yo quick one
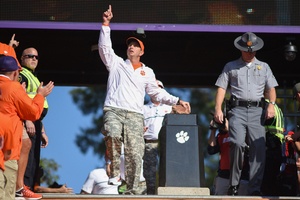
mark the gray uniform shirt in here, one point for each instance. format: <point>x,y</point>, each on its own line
<point>247,82</point>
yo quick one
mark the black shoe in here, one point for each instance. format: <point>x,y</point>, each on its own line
<point>233,190</point>
<point>256,193</point>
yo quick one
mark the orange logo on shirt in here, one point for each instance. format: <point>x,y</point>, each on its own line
<point>143,73</point>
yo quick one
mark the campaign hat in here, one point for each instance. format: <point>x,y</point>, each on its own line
<point>248,42</point>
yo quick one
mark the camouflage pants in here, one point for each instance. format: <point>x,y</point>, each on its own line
<point>150,160</point>
<point>127,127</point>
<point>142,188</point>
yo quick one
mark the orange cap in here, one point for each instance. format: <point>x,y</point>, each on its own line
<point>139,41</point>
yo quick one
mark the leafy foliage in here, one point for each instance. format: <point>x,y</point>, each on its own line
<point>50,167</point>
<point>202,102</point>
<point>90,101</point>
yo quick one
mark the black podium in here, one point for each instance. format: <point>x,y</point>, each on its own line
<point>181,162</point>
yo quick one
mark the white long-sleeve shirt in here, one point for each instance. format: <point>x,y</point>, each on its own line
<point>154,116</point>
<point>125,86</point>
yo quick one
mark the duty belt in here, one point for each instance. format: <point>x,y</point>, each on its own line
<point>248,103</point>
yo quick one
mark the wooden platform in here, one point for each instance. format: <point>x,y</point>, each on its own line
<point>157,197</point>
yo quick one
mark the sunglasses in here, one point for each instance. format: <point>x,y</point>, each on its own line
<point>32,56</point>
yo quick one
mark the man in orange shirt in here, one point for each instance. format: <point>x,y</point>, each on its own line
<point>6,136</point>
<point>16,104</point>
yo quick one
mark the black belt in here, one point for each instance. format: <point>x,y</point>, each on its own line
<point>151,141</point>
<point>248,103</point>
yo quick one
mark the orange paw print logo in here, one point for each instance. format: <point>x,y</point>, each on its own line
<point>143,73</point>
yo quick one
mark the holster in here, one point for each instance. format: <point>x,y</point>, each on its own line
<point>227,106</point>
<point>232,102</point>
<point>263,103</point>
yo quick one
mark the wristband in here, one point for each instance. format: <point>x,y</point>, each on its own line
<point>178,102</point>
<point>42,132</point>
<point>298,172</point>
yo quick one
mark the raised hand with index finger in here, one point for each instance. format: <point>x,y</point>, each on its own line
<point>13,43</point>
<point>107,16</point>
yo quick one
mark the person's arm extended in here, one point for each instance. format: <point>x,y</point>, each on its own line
<point>13,43</point>
<point>213,145</point>
<point>218,107</point>
<point>212,137</point>
<point>107,16</point>
<point>107,54</point>
<point>270,113</point>
<point>44,137</point>
<point>62,189</point>
<point>293,137</point>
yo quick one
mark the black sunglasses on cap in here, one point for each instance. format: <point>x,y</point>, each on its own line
<point>31,56</point>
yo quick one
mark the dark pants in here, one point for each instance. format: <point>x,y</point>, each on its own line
<point>287,185</point>
<point>269,186</point>
<point>33,157</point>
<point>150,161</point>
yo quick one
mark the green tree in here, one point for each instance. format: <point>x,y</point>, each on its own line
<point>202,102</point>
<point>49,167</point>
<point>90,100</point>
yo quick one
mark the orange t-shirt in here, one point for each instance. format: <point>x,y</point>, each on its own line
<point>16,104</point>
<point>8,51</point>
<point>6,130</point>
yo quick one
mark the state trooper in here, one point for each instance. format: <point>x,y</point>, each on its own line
<point>248,78</point>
